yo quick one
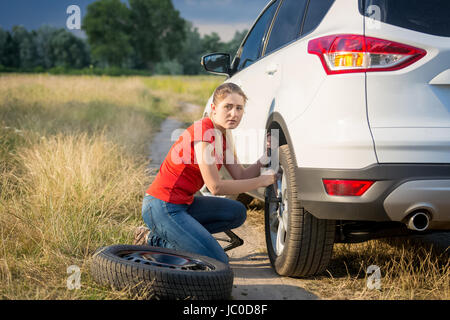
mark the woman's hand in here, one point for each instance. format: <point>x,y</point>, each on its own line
<point>268,177</point>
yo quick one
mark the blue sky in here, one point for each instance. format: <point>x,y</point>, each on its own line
<point>221,16</point>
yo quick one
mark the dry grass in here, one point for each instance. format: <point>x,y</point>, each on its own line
<point>73,170</point>
<point>255,215</point>
<point>43,105</point>
<point>409,270</point>
<point>72,194</point>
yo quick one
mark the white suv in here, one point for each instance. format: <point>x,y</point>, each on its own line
<point>359,91</point>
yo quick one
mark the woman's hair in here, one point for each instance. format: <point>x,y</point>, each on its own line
<point>225,89</point>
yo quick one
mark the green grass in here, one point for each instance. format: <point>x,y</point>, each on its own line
<point>193,89</point>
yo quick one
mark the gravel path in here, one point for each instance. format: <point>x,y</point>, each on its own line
<point>254,278</point>
<point>162,142</point>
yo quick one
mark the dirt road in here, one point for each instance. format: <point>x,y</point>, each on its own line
<point>254,277</point>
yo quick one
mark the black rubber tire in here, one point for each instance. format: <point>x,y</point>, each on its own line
<point>309,241</point>
<point>161,283</point>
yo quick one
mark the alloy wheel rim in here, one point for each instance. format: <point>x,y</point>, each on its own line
<point>279,217</point>
<point>166,260</point>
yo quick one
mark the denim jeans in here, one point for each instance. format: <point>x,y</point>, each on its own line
<point>190,227</point>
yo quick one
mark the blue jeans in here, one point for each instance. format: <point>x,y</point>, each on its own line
<point>190,227</point>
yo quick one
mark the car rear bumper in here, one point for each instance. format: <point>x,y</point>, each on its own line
<point>399,190</point>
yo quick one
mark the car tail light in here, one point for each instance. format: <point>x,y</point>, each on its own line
<point>345,53</point>
<point>347,187</point>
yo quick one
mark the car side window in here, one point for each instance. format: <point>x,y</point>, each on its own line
<point>252,47</point>
<point>287,24</point>
<point>315,13</point>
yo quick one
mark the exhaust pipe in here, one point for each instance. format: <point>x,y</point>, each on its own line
<point>419,221</point>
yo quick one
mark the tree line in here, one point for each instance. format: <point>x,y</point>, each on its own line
<point>143,35</point>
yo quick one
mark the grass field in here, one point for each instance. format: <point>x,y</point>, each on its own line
<point>73,161</point>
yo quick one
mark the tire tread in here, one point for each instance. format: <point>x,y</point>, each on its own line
<point>153,282</point>
<point>310,241</point>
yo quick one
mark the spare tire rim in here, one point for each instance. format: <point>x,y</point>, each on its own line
<point>165,260</point>
<point>278,217</point>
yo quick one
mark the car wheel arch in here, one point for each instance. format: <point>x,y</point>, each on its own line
<point>276,121</point>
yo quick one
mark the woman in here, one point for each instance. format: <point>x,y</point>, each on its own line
<point>175,217</point>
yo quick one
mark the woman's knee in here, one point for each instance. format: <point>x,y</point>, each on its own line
<point>240,214</point>
<point>223,258</point>
<point>151,211</point>
<point>146,212</point>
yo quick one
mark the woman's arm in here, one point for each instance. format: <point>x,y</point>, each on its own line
<point>215,184</point>
<point>238,172</point>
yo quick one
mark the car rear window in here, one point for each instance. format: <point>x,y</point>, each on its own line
<point>287,24</point>
<point>427,16</point>
<point>315,13</point>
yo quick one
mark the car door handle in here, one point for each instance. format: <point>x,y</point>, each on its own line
<point>271,69</point>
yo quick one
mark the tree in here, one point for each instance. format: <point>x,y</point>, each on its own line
<point>3,36</point>
<point>168,67</point>
<point>79,52</point>
<point>11,55</point>
<point>107,25</point>
<point>68,50</point>
<point>157,31</point>
<point>191,51</point>
<point>27,47</point>
<point>232,46</point>
<point>43,38</point>
<point>195,46</point>
<point>212,43</point>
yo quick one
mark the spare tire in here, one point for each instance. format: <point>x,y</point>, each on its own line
<point>163,274</point>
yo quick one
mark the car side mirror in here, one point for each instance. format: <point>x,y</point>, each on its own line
<point>218,63</point>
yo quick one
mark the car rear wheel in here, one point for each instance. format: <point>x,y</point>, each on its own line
<point>298,243</point>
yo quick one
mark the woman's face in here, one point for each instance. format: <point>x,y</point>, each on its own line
<point>228,113</point>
